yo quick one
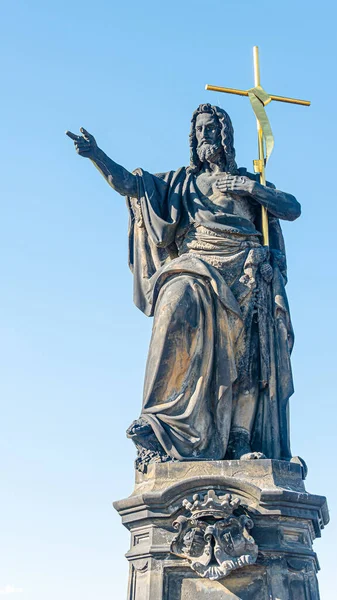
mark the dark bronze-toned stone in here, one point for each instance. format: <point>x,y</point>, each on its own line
<point>213,539</point>
<point>218,376</point>
<point>201,494</point>
<point>219,509</point>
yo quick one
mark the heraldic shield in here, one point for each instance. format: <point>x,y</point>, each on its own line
<point>212,538</point>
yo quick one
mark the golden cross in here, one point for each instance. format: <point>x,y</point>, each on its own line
<point>259,98</point>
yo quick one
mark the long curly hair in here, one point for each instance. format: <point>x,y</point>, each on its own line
<point>227,138</point>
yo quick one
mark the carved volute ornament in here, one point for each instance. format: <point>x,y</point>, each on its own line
<point>212,538</point>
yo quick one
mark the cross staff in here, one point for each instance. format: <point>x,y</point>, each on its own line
<point>259,99</point>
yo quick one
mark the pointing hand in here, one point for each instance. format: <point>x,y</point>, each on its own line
<point>85,144</point>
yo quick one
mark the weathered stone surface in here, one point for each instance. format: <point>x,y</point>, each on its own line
<point>217,383</point>
<point>218,375</point>
<point>213,535</point>
<point>286,521</point>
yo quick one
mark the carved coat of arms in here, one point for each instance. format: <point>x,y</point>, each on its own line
<point>212,538</point>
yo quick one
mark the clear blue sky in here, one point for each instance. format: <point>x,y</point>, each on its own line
<point>73,346</point>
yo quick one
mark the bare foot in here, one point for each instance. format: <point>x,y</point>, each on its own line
<point>139,428</point>
<point>253,456</point>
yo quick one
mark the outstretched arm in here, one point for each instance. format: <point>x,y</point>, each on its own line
<point>121,180</point>
<point>279,204</point>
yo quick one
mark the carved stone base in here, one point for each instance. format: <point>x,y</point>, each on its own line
<point>234,530</point>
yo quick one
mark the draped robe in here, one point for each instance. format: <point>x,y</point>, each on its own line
<point>220,331</point>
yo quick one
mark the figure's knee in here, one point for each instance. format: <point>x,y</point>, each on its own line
<point>178,298</point>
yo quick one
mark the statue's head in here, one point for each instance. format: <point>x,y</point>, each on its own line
<point>212,138</point>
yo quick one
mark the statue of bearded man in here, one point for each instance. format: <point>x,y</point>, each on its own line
<point>218,375</point>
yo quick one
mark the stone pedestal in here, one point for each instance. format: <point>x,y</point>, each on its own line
<point>234,530</point>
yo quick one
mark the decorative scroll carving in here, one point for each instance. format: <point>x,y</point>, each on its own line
<point>212,538</point>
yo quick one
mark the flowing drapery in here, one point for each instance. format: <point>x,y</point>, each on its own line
<point>214,318</point>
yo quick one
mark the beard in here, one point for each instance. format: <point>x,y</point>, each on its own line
<point>207,152</point>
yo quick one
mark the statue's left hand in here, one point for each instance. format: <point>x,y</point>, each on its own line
<point>236,184</point>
